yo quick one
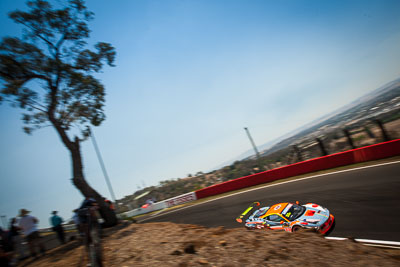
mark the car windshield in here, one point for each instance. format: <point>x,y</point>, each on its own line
<point>260,212</point>
<point>293,211</point>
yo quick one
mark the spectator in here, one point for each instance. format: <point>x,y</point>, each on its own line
<point>88,202</point>
<point>82,214</point>
<point>28,225</point>
<point>6,248</point>
<point>110,204</point>
<point>56,221</point>
<point>77,222</point>
<point>88,209</point>
<point>16,240</point>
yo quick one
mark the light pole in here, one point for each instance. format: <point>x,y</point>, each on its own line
<point>252,143</point>
<point>103,169</point>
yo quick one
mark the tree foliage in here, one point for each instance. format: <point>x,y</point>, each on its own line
<point>49,71</point>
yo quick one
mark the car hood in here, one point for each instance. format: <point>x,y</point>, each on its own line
<point>314,214</point>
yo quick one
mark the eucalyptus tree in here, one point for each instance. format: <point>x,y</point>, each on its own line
<point>49,71</point>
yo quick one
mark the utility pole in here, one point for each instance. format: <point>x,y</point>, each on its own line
<point>103,169</point>
<point>252,143</point>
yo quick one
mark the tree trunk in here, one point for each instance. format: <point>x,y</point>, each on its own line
<point>385,135</point>
<point>322,147</point>
<point>298,153</point>
<point>109,216</point>
<point>78,179</point>
<point>348,135</point>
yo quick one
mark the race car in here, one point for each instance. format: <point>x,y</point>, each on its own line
<point>289,217</point>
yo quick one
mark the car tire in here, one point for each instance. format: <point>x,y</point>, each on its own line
<point>295,228</point>
<point>332,227</point>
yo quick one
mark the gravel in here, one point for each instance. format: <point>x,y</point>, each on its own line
<point>169,244</point>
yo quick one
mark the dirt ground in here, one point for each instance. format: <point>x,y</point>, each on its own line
<point>169,244</point>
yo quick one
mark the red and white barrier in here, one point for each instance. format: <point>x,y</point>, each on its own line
<point>188,197</point>
<point>368,153</point>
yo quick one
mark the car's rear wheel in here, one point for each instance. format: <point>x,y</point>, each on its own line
<point>331,229</point>
<point>295,228</point>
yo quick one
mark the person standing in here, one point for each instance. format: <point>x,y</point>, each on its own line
<point>6,248</point>
<point>16,239</point>
<point>28,225</point>
<point>77,222</point>
<point>56,221</point>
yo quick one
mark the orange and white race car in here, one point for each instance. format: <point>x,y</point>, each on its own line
<point>289,217</point>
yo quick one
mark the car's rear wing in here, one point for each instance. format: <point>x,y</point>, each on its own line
<point>239,219</point>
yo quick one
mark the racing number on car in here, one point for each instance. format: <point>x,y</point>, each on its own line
<point>277,207</point>
<point>288,214</point>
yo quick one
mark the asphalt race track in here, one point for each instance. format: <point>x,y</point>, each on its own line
<point>365,202</point>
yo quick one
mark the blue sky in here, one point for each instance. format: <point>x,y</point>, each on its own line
<point>189,76</point>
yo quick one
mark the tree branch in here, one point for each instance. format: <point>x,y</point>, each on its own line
<point>30,105</point>
<point>49,44</point>
<point>61,131</point>
<point>56,123</point>
<point>34,107</point>
<point>40,105</point>
<point>26,76</point>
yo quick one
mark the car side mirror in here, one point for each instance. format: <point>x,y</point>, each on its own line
<point>282,222</point>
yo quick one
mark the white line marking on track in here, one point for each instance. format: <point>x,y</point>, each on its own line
<point>336,238</point>
<point>370,242</point>
<point>381,242</point>
<point>381,246</point>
